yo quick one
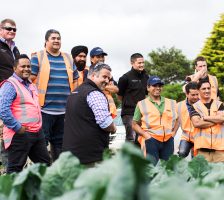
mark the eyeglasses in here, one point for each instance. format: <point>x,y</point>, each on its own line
<point>9,29</point>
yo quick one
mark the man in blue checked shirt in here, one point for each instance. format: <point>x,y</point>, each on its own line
<point>88,121</point>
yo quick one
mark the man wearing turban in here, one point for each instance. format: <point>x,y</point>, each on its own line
<point>79,54</point>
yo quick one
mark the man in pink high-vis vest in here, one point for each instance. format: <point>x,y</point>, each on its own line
<point>21,115</point>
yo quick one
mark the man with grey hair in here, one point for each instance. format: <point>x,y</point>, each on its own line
<point>88,121</point>
<point>56,76</point>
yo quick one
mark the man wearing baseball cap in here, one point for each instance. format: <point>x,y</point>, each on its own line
<point>155,120</point>
<point>97,55</point>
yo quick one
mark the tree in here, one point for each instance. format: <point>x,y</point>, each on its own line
<point>169,64</point>
<point>173,91</point>
<point>213,51</point>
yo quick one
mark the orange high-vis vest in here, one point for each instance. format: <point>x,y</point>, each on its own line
<point>112,106</point>
<point>44,73</point>
<point>212,137</point>
<point>188,130</point>
<point>25,109</point>
<point>81,75</point>
<point>214,85</point>
<point>159,126</point>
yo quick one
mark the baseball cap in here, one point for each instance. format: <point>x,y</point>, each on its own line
<point>97,51</point>
<point>153,80</point>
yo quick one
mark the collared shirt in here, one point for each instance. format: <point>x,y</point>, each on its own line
<point>189,106</point>
<point>99,105</point>
<point>12,46</point>
<point>7,96</point>
<point>160,107</point>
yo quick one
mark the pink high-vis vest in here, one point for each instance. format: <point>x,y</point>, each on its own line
<point>25,108</point>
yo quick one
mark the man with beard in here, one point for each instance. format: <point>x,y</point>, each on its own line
<point>55,76</point>
<point>97,55</point>
<point>88,121</point>
<point>79,54</point>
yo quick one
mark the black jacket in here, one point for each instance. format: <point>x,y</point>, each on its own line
<point>133,88</point>
<point>82,135</point>
<point>7,60</point>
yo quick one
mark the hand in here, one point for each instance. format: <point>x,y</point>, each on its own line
<point>114,130</point>
<point>147,136</point>
<point>22,130</point>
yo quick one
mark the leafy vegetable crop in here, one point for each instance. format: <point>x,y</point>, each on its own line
<point>125,176</point>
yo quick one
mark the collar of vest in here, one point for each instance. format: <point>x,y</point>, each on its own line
<point>88,81</point>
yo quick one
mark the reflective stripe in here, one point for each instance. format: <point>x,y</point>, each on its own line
<point>160,132</point>
<point>40,66</point>
<point>145,113</point>
<point>24,118</point>
<point>199,108</point>
<point>179,112</point>
<point>208,135</point>
<point>187,135</point>
<point>173,113</point>
<point>8,140</point>
<point>70,61</point>
<point>214,81</point>
<point>41,91</point>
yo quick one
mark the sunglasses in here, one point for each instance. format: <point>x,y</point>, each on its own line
<point>10,29</point>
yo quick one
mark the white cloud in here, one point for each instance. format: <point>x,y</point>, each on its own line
<point>120,27</point>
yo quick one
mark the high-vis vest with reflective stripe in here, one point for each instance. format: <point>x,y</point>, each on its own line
<point>112,106</point>
<point>188,130</point>
<point>44,73</point>
<point>25,109</point>
<point>214,85</point>
<point>81,75</point>
<point>159,126</point>
<point>212,137</point>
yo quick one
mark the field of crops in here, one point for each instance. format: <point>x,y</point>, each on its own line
<point>125,176</point>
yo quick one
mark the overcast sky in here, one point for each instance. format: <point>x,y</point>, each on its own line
<point>120,27</point>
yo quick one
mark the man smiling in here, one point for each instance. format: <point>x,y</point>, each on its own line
<point>20,112</point>
<point>207,116</point>
<point>155,120</point>
<point>56,76</point>
<point>88,121</point>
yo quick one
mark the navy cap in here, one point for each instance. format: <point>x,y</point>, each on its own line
<point>97,51</point>
<point>153,80</point>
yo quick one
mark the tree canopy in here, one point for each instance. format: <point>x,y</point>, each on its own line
<point>213,51</point>
<point>169,64</point>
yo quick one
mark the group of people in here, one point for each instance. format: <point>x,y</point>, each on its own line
<point>54,98</point>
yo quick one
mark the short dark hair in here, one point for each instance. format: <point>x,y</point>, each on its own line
<point>21,56</point>
<point>202,82</point>
<point>4,21</point>
<point>97,67</point>
<point>49,32</point>
<point>199,58</point>
<point>135,56</point>
<point>191,86</point>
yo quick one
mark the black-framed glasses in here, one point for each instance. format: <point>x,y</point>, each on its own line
<point>10,28</point>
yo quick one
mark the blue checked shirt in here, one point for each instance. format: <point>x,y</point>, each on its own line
<point>99,105</point>
<point>7,96</point>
